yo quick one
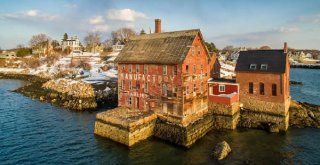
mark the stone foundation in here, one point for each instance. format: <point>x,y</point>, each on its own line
<point>125,126</point>
<point>256,113</point>
<point>250,119</point>
<point>180,135</point>
<point>225,116</point>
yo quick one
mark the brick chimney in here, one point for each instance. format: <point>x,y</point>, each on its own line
<point>285,47</point>
<point>157,25</point>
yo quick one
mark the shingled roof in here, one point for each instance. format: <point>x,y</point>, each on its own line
<point>158,48</point>
<point>275,60</point>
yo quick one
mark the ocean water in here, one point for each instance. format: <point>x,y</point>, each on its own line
<point>32,132</point>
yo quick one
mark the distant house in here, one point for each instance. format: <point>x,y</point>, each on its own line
<point>72,43</point>
<point>117,47</point>
<point>235,54</point>
<point>263,76</point>
<point>8,55</point>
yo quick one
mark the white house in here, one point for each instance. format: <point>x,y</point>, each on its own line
<point>73,43</point>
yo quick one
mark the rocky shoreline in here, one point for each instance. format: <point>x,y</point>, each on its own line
<point>74,96</point>
<point>304,115</point>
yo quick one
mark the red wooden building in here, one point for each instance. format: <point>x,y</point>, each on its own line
<point>166,73</point>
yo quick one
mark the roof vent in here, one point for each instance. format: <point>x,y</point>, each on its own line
<point>264,67</point>
<point>253,66</point>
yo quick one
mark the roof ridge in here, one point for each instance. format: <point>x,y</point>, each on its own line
<point>165,34</point>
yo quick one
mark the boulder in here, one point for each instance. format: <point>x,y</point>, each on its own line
<point>221,150</point>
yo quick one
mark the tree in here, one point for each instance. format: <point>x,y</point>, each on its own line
<point>23,51</point>
<point>211,47</point>
<point>228,48</point>
<point>265,48</point>
<point>122,35</point>
<point>55,43</point>
<point>65,36</point>
<point>1,50</point>
<point>92,40</point>
<point>38,40</point>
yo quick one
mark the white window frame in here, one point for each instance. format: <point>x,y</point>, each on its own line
<point>222,86</point>
<point>164,69</point>
<point>253,66</point>
<point>264,67</point>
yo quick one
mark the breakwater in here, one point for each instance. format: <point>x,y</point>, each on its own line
<point>307,66</point>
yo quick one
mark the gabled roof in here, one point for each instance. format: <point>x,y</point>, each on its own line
<point>158,48</point>
<point>275,60</point>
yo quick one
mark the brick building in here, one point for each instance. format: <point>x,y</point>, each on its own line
<point>165,72</point>
<point>263,76</point>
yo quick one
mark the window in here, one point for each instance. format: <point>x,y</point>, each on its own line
<point>274,89</point>
<point>145,69</point>
<point>174,91</point>
<point>192,50</point>
<point>222,88</point>
<point>201,87</point>
<point>164,69</point>
<point>261,89</point>
<point>137,68</point>
<point>187,68</point>
<point>199,50</point>
<point>201,68</point>
<point>187,90</point>
<point>251,88</point>
<point>264,67</point>
<point>194,69</point>
<point>194,88</point>
<point>137,86</point>
<point>253,66</point>
<point>122,84</point>
<point>164,89</point>
<point>175,70</point>
<point>130,100</point>
<point>146,87</point>
<point>130,68</point>
<point>130,85</point>
<point>123,66</point>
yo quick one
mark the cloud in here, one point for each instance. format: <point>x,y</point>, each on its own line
<point>101,28</point>
<point>96,20</point>
<point>34,15</point>
<point>289,29</point>
<point>315,19</point>
<point>125,15</point>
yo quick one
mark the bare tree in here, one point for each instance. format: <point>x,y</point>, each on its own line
<point>265,48</point>
<point>39,42</point>
<point>122,35</point>
<point>92,40</point>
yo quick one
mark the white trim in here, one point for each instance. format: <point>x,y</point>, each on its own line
<point>224,88</point>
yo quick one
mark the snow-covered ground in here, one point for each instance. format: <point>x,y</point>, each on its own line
<point>96,75</point>
<point>227,70</point>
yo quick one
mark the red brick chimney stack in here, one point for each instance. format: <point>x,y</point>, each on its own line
<point>285,47</point>
<point>157,25</point>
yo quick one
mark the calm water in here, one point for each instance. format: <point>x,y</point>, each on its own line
<point>32,132</point>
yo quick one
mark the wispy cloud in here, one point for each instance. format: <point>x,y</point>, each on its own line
<point>315,19</point>
<point>35,15</point>
<point>289,29</point>
<point>96,20</point>
<point>125,15</point>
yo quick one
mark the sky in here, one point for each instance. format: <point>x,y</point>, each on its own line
<point>246,23</point>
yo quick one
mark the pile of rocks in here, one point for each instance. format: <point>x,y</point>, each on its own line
<point>70,87</point>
